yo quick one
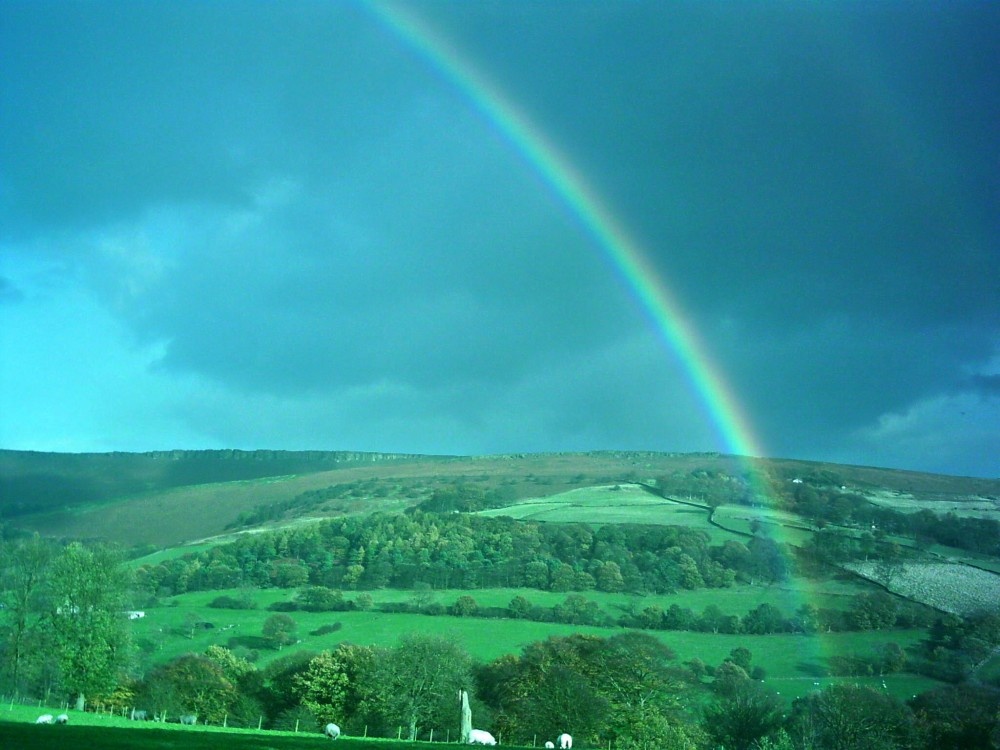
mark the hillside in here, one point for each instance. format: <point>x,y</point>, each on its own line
<point>701,558</point>
<point>173,497</point>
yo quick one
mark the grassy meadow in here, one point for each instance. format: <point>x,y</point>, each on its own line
<point>793,662</point>
<point>104,732</point>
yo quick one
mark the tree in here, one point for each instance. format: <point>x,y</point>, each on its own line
<point>465,606</point>
<point>848,717</point>
<point>279,677</point>
<point>875,611</point>
<point>322,686</point>
<point>763,620</point>
<point>24,569</point>
<point>635,670</point>
<point>742,718</point>
<point>191,684</point>
<point>544,690</point>
<point>959,717</point>
<point>891,658</point>
<point>279,630</point>
<point>90,633</point>
<point>730,678</point>
<point>609,577</point>
<point>417,682</point>
<point>741,656</point>
<point>320,599</point>
<point>563,578</point>
<point>649,729</point>
<point>766,560</point>
<point>519,607</point>
<point>364,601</point>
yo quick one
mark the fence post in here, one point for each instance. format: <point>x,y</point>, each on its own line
<point>260,720</point>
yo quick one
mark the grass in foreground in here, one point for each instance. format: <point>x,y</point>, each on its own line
<point>18,731</point>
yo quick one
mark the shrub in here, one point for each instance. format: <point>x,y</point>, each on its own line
<point>325,629</point>
<point>232,602</point>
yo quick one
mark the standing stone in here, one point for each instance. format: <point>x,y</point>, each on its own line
<point>466,717</point>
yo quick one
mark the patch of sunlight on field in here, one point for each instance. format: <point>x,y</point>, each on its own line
<point>783,526</point>
<point>970,506</point>
<point>612,504</point>
<point>965,556</point>
<point>154,558</point>
<point>952,587</point>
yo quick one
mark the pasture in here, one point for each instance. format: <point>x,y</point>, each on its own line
<point>633,503</point>
<point>793,661</point>
<point>952,587</point>
<point>974,506</point>
<point>103,732</point>
<point>611,504</point>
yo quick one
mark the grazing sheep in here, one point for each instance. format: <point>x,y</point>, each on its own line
<point>62,719</point>
<point>549,745</point>
<point>332,731</point>
<point>138,715</point>
<point>565,741</point>
<point>190,719</point>
<point>44,719</point>
<point>481,737</point>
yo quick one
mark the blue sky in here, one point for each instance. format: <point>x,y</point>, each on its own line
<point>278,225</point>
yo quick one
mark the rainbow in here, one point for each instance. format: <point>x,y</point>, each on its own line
<point>572,189</point>
<point>629,261</point>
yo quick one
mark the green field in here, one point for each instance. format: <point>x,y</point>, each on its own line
<point>102,732</point>
<point>793,662</point>
<point>611,504</point>
<point>782,526</point>
<point>632,503</point>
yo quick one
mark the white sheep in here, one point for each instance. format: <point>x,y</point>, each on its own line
<point>44,719</point>
<point>189,719</point>
<point>332,731</point>
<point>62,719</point>
<point>549,745</point>
<point>481,737</point>
<point>565,741</point>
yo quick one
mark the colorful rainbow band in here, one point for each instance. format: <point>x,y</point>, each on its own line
<point>572,189</point>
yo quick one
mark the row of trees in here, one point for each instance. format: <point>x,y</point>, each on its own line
<point>454,550</point>
<point>981,535</point>
<point>867,611</point>
<point>626,692</point>
<point>65,626</point>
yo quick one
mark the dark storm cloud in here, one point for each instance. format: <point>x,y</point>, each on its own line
<point>110,108</point>
<point>292,207</point>
<point>810,180</point>
<point>988,385</point>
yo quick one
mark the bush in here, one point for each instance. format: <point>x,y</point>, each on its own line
<point>325,629</point>
<point>232,602</point>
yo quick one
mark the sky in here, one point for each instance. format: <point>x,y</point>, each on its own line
<point>341,225</point>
